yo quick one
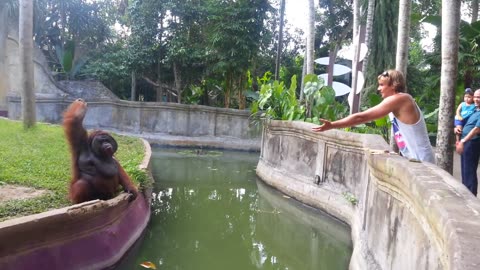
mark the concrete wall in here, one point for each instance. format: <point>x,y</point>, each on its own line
<point>90,235</point>
<point>10,70</point>
<point>407,215</point>
<point>155,120</point>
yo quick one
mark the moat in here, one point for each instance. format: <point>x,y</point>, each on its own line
<point>210,211</point>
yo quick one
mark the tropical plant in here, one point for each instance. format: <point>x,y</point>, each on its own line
<point>277,102</point>
<point>69,30</point>
<point>193,94</point>
<point>320,100</point>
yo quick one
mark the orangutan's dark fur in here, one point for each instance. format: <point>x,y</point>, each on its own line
<point>95,173</point>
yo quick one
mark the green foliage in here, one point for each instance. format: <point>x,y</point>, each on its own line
<point>193,95</point>
<point>350,197</point>
<point>110,66</point>
<point>70,64</point>
<point>320,100</point>
<point>335,23</point>
<point>69,30</point>
<point>39,158</point>
<point>382,48</point>
<point>277,102</point>
<point>177,43</point>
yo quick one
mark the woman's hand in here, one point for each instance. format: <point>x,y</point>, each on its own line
<point>325,126</point>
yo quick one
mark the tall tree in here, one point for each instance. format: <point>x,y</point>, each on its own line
<point>474,11</point>
<point>280,39</point>
<point>69,30</point>
<point>449,70</point>
<point>3,55</point>
<point>310,36</point>
<point>354,108</point>
<point>382,50</point>
<point>26,63</point>
<point>233,47</point>
<point>403,37</point>
<point>368,31</point>
<point>335,24</point>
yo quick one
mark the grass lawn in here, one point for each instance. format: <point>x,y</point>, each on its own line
<point>40,158</point>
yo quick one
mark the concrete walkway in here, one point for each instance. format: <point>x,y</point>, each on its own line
<point>457,172</point>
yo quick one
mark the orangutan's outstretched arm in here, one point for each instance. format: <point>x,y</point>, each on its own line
<point>75,132</point>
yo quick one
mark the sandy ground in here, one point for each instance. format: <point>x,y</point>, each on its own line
<point>10,192</point>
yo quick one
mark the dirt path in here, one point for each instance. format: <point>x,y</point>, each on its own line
<point>11,192</point>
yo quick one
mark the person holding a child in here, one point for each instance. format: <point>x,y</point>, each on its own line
<point>469,146</point>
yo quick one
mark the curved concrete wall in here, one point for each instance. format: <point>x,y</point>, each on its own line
<point>154,120</point>
<point>403,215</point>
<point>91,235</point>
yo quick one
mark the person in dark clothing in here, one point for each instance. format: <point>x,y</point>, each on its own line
<point>469,146</point>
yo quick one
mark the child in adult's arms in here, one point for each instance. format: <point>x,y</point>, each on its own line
<point>469,146</point>
<point>407,119</point>
<point>464,110</point>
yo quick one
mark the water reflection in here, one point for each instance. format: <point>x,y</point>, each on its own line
<point>283,225</point>
<point>209,212</point>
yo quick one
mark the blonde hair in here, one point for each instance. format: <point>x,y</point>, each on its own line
<point>395,78</point>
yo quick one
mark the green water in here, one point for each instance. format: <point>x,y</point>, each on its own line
<point>210,212</point>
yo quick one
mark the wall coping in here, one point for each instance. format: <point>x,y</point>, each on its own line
<point>445,212</point>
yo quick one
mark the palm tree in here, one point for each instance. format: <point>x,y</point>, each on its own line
<point>280,39</point>
<point>357,41</point>
<point>449,70</point>
<point>474,10</point>
<point>26,62</point>
<point>401,61</point>
<point>310,36</point>
<point>3,55</point>
<point>368,31</point>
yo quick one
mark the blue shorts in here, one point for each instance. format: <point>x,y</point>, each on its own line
<point>458,122</point>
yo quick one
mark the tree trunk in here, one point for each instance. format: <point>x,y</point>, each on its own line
<point>178,81</point>
<point>449,70</point>
<point>368,32</point>
<point>310,36</point>
<point>474,10</point>
<point>353,96</point>
<point>403,36</point>
<point>332,56</point>
<point>241,96</point>
<point>26,62</point>
<point>159,89</point>
<point>280,40</point>
<point>470,68</point>
<point>228,84</point>
<point>304,73</point>
<point>356,17</point>
<point>3,57</point>
<point>133,90</point>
